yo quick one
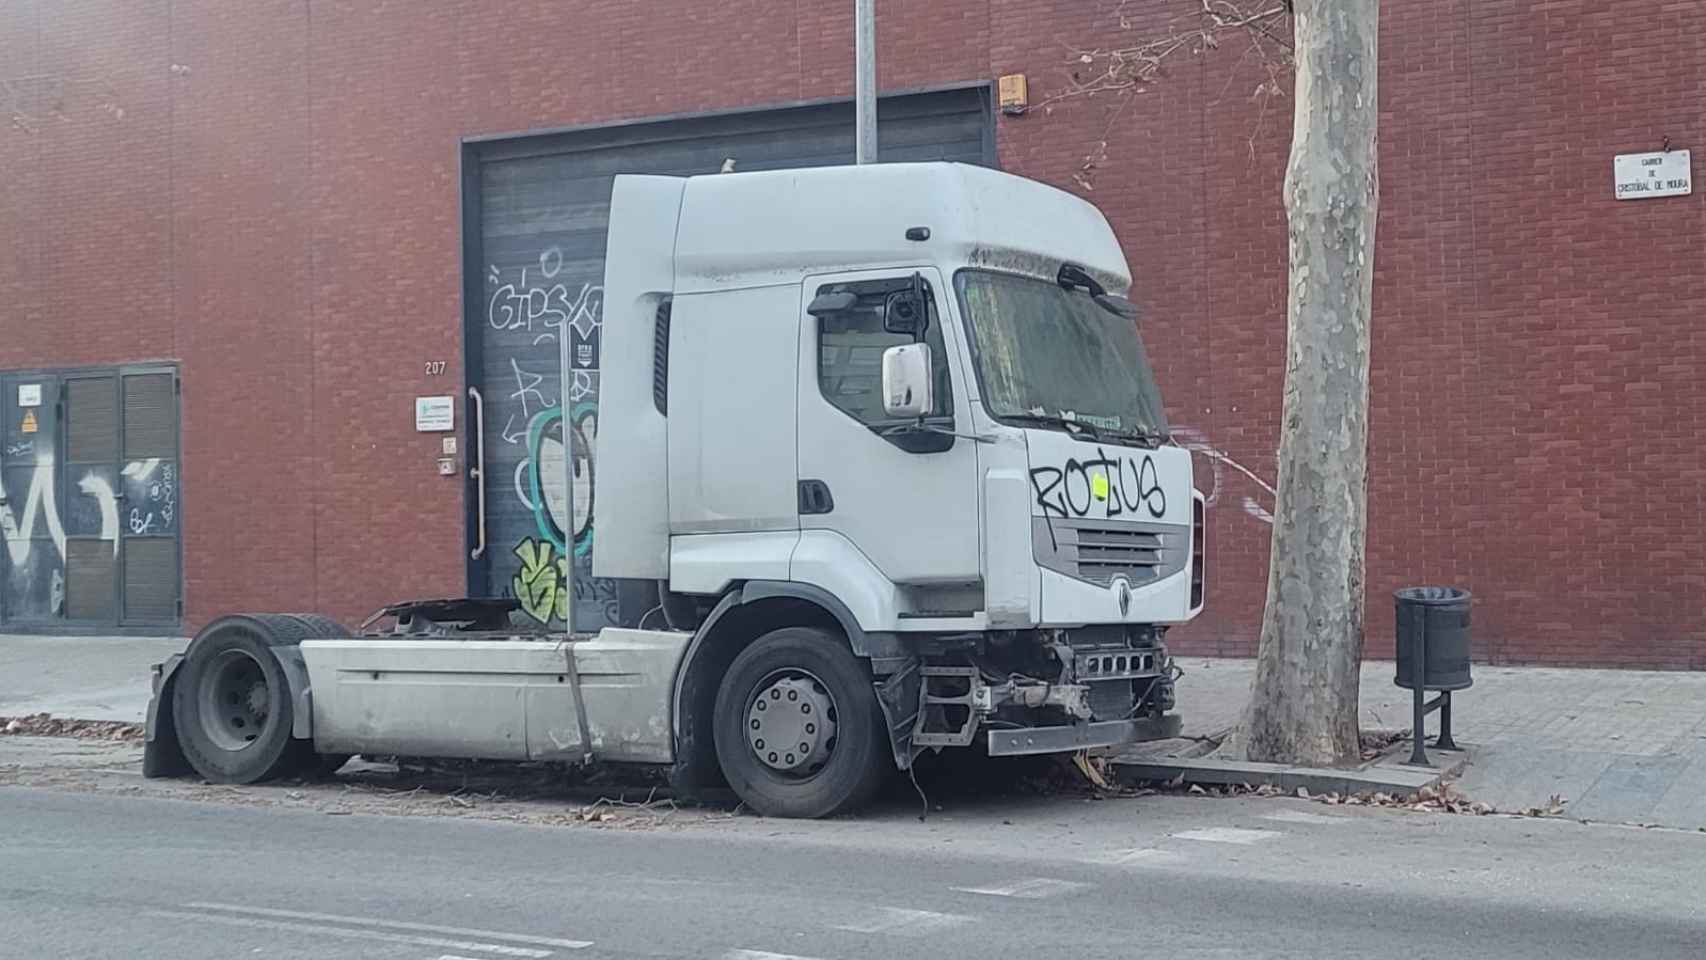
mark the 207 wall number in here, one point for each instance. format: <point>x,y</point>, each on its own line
<point>435,368</point>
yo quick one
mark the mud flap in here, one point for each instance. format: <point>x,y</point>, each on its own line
<point>161,755</point>
<point>301,705</point>
<point>897,695</point>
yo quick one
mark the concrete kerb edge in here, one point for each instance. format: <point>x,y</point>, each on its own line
<point>1385,774</point>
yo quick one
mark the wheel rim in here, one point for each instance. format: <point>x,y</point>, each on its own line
<point>791,723</point>
<point>235,700</point>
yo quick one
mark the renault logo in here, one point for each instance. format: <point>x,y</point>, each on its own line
<point>1123,592</point>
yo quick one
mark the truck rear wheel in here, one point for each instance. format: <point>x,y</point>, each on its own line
<point>232,703</point>
<point>797,727</point>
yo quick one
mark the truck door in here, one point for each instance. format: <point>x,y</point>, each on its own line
<point>904,498</point>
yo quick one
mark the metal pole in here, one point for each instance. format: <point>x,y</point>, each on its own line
<point>1418,670</point>
<point>1445,742</point>
<point>565,366</point>
<point>865,81</point>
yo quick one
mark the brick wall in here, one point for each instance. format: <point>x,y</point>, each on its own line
<point>267,192</point>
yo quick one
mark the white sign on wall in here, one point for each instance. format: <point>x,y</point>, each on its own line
<point>435,414</point>
<point>29,394</point>
<point>1645,176</point>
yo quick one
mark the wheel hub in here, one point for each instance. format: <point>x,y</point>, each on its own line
<point>256,701</point>
<point>235,700</point>
<point>791,723</point>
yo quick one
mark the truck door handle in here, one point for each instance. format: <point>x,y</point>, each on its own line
<point>815,498</point>
<point>478,472</point>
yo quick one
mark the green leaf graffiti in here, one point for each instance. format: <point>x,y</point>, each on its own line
<point>542,582</point>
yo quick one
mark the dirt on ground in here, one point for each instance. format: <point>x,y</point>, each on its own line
<point>88,760</point>
<point>105,757</point>
<point>45,725</point>
<point>81,756</point>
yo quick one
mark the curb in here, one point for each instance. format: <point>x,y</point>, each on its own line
<point>1384,774</point>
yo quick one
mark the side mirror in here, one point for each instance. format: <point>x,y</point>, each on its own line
<point>907,383</point>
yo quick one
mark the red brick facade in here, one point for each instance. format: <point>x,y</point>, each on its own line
<point>267,192</point>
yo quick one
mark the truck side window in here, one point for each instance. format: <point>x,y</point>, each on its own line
<point>850,345</point>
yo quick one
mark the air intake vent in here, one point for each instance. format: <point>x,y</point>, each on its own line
<point>1109,552</point>
<point>1101,552</point>
<point>660,358</point>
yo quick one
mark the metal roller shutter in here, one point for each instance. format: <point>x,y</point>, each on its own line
<point>536,215</point>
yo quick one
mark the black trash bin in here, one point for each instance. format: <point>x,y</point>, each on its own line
<point>1438,618</point>
<point>1433,654</point>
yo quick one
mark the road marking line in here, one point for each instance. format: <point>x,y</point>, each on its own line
<point>1228,835</point>
<point>899,922</point>
<point>394,924</point>
<point>1299,816</point>
<point>1037,888</point>
<point>756,955</point>
<point>354,933</point>
<point>1136,856</point>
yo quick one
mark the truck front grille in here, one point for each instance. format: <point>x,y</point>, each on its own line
<point>1107,553</point>
<point>1098,551</point>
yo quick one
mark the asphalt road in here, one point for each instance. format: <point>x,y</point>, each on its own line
<point>93,875</point>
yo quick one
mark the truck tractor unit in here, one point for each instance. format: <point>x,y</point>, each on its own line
<point>886,439</point>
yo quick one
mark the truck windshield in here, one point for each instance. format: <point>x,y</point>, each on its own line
<point>1047,353</point>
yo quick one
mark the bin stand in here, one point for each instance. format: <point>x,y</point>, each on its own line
<point>1421,706</point>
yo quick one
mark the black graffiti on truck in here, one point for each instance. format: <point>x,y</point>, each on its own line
<point>1127,485</point>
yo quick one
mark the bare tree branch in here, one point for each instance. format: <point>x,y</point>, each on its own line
<point>1128,68</point>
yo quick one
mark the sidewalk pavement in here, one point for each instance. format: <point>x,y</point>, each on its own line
<point>1618,745</point>
<point>81,678</point>
<point>1627,746</point>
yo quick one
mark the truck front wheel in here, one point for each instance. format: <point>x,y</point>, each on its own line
<point>797,727</point>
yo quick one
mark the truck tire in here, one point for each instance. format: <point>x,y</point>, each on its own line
<point>232,702</point>
<point>797,727</point>
<point>318,627</point>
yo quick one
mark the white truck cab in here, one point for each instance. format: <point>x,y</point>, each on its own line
<point>888,441</point>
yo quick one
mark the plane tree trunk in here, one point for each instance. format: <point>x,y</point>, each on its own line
<point>1304,703</point>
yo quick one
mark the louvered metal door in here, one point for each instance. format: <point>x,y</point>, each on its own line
<point>148,498</point>
<point>120,491</point>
